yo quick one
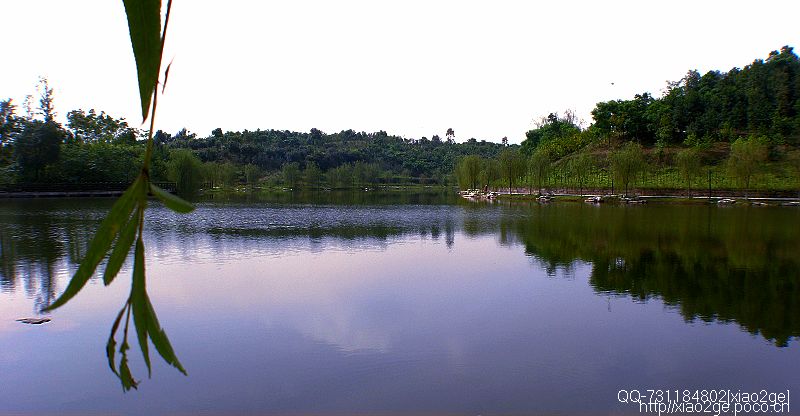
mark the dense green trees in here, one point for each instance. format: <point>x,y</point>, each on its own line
<point>186,171</point>
<point>760,99</point>
<point>37,147</point>
<point>99,128</point>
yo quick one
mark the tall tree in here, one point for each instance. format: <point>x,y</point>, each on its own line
<point>626,163</point>
<point>512,166</point>
<point>312,174</point>
<point>9,128</point>
<point>291,174</point>
<point>689,166</point>
<point>46,101</point>
<point>468,172</point>
<point>36,147</point>
<point>186,170</point>
<point>580,166</point>
<point>539,168</point>
<point>745,159</point>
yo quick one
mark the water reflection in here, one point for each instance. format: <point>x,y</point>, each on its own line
<point>725,265</point>
<point>433,306</point>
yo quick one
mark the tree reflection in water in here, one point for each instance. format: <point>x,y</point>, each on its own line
<point>711,264</point>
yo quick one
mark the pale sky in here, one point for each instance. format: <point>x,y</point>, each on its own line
<point>411,68</point>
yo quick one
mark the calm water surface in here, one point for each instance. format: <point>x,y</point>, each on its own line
<point>407,303</point>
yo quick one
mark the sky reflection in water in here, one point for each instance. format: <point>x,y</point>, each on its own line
<point>409,308</point>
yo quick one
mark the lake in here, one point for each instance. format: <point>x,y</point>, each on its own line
<point>406,304</point>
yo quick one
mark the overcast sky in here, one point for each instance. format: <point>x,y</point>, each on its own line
<point>413,68</point>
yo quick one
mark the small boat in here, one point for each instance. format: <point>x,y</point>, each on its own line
<point>726,201</point>
<point>594,200</point>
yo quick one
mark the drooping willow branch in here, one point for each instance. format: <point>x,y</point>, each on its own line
<point>124,224</point>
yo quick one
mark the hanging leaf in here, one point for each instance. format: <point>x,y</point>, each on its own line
<point>160,339</point>
<point>125,375</point>
<point>139,301</point>
<point>171,201</point>
<point>102,240</point>
<point>144,24</point>
<point>121,248</point>
<point>112,343</point>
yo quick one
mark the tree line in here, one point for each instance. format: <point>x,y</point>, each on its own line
<point>742,126</point>
<point>96,147</point>
<point>734,123</point>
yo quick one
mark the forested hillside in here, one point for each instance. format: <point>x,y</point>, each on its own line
<point>694,125</point>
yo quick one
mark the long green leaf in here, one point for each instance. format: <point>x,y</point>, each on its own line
<point>121,249</point>
<point>139,301</point>
<point>112,343</point>
<point>160,340</point>
<point>144,24</point>
<point>172,202</point>
<point>101,242</point>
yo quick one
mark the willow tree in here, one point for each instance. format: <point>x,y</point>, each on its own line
<point>512,166</point>
<point>468,171</point>
<point>539,168</point>
<point>689,166</point>
<point>186,170</point>
<point>745,159</point>
<point>580,166</point>
<point>626,163</point>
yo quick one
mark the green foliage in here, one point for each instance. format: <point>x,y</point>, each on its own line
<point>490,171</point>
<point>468,172</point>
<point>341,176</point>
<point>689,165</point>
<point>549,129</point>
<point>186,170</point>
<point>539,167</point>
<point>511,165</point>
<point>98,162</point>
<point>251,174</point>
<point>580,166</point>
<point>9,128</point>
<point>92,127</point>
<point>312,174</point>
<point>36,147</point>
<point>760,99</point>
<point>120,214</point>
<point>626,163</point>
<point>745,159</point>
<point>46,106</point>
<point>127,215</point>
<point>144,24</point>
<point>291,174</point>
